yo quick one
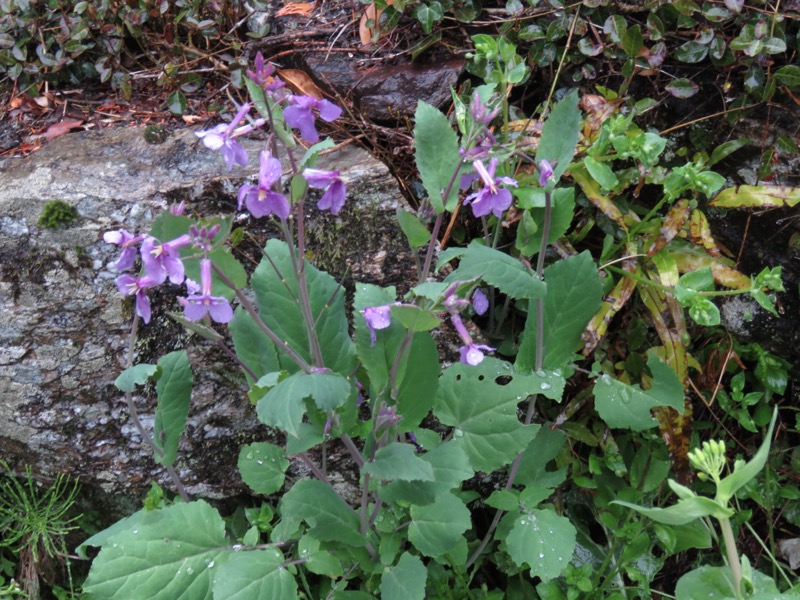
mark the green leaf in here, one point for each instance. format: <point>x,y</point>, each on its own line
<point>415,318</point>
<point>399,461</point>
<point>428,15</point>
<point>574,295</point>
<point>757,196</point>
<point>691,52</point>
<point>416,233</point>
<point>628,406</point>
<point>533,468</point>
<point>177,103</point>
<point>480,402</point>
<point>683,512</point>
<point>601,172</point>
<point>632,41</point>
<point>406,580</point>
<point>499,269</point>
<point>437,527</point>
<point>717,583</point>
<point>704,312</point>
<point>252,346</point>
<point>328,517</point>
<point>561,217</point>
<point>173,554</point>
<point>133,376</point>
<point>277,294</point>
<point>542,540</point>
<point>284,405</point>
<point>560,134</point>
<point>263,467</point>
<point>255,575</point>
<point>317,560</point>
<point>437,156</point>
<point>740,477</point>
<point>310,157</point>
<point>174,388</point>
<point>682,88</point>
<point>789,75</point>
<point>725,149</point>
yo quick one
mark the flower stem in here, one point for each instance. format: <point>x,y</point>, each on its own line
<point>733,556</point>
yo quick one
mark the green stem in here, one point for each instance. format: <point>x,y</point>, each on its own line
<point>733,556</point>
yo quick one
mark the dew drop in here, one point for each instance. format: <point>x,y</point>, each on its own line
<point>189,570</point>
<point>211,565</point>
<point>541,555</point>
<point>523,522</point>
<point>458,433</point>
<point>544,386</point>
<point>135,531</point>
<point>249,456</point>
<point>259,462</point>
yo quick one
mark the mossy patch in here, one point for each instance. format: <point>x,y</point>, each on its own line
<point>57,213</point>
<point>155,134</point>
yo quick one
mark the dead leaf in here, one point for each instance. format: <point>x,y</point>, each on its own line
<point>192,119</point>
<point>371,14</point>
<point>301,83</point>
<point>58,129</point>
<point>302,9</point>
<point>757,196</point>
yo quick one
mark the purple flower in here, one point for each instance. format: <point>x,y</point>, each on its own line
<point>197,306</point>
<point>177,209</point>
<point>490,199</point>
<point>479,301</point>
<point>479,111</point>
<point>128,241</point>
<point>164,260</point>
<point>263,75</point>
<point>221,137</point>
<point>261,200</point>
<point>335,188</point>
<point>203,237</point>
<point>299,115</point>
<point>136,286</point>
<point>545,172</point>
<point>471,353</point>
<point>377,317</point>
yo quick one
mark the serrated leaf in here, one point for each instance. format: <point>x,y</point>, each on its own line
<point>415,318</point>
<point>757,196</point>
<point>277,294</point>
<point>328,517</point>
<point>560,134</point>
<point>480,402</point>
<point>436,528</point>
<point>499,269</point>
<point>437,156</point>
<point>574,295</point>
<point>174,388</point>
<point>133,376</point>
<point>406,580</point>
<point>284,405</point>
<point>416,233</point>
<point>174,554</point>
<point>542,540</point>
<point>263,467</point>
<point>533,468</point>
<point>398,461</point>
<point>628,406</point>
<point>255,575</point>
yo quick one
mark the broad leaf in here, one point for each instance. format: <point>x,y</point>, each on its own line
<point>499,269</point>
<point>437,527</point>
<point>278,294</point>
<point>740,477</point>
<point>683,512</point>
<point>252,346</point>
<point>574,295</point>
<point>545,447</point>
<point>542,540</point>
<point>416,233</point>
<point>560,135</point>
<point>399,461</point>
<point>174,554</point>
<point>406,580</point>
<point>717,583</point>
<point>284,405</point>
<point>174,388</point>
<point>628,406</point>
<point>437,156</point>
<point>561,217</point>
<point>263,467</point>
<point>255,575</point>
<point>480,402</point>
<point>757,196</point>
<point>328,517</point>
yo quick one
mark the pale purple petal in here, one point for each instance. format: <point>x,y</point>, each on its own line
<point>245,191</point>
<point>301,118</point>
<point>545,172</point>
<point>143,306</point>
<point>234,154</point>
<point>480,302</point>
<point>269,171</point>
<point>220,310</point>
<point>269,203</point>
<point>334,197</point>
<point>319,178</point>
<point>377,317</point>
<point>193,310</point>
<point>328,111</point>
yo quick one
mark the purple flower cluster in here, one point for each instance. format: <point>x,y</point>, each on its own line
<point>162,261</point>
<point>491,198</point>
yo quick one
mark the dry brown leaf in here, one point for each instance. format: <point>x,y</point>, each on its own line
<point>192,119</point>
<point>301,83</point>
<point>58,129</point>
<point>373,14</point>
<point>296,8</point>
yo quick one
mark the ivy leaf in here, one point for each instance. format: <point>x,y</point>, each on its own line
<point>499,269</point>
<point>437,157</point>
<point>406,580</point>
<point>399,461</point>
<point>481,403</point>
<point>574,295</point>
<point>263,467</point>
<point>436,528</point>
<point>329,518</point>
<point>542,540</point>
<point>255,575</point>
<point>174,388</point>
<point>628,406</point>
<point>174,554</point>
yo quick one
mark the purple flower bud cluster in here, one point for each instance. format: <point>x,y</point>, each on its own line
<point>162,261</point>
